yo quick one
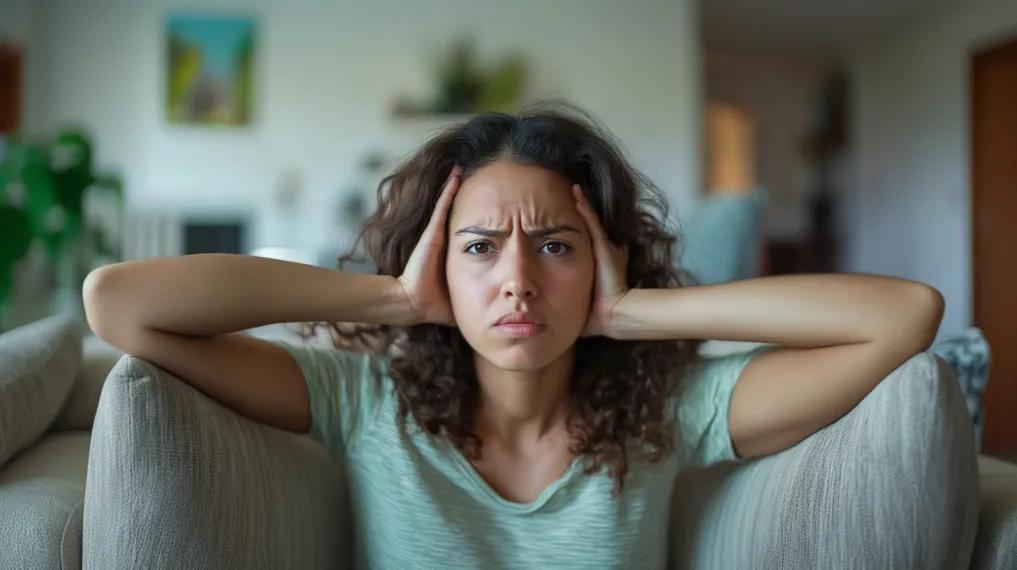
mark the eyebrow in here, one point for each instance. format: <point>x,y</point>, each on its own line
<point>540,232</point>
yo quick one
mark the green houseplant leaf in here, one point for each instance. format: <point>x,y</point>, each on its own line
<point>17,235</point>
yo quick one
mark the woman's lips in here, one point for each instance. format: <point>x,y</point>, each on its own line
<point>520,330</point>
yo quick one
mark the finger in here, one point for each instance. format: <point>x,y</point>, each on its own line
<point>441,208</point>
<point>448,192</point>
<point>590,215</point>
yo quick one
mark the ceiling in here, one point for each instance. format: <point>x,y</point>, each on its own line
<point>818,28</point>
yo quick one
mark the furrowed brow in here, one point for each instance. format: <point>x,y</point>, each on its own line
<point>540,232</point>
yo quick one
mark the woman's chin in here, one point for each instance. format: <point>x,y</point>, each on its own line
<point>522,356</point>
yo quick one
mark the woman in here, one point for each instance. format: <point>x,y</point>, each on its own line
<point>531,387</point>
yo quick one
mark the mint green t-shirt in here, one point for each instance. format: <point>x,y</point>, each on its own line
<point>417,502</point>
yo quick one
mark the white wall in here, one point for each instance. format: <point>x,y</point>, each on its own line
<point>325,76</point>
<point>909,211</point>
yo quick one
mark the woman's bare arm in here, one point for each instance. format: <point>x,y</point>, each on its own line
<point>207,294</point>
<point>184,313</point>
<point>839,336</point>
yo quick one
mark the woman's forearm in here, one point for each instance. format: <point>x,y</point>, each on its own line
<point>793,310</point>
<point>207,294</point>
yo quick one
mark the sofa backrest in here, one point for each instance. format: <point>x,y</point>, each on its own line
<point>98,359</point>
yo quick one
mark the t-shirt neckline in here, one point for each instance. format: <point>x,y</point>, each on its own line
<point>493,497</point>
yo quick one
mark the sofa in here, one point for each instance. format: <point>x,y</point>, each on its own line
<point>108,461</point>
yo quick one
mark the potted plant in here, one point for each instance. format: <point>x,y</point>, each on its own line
<point>44,190</point>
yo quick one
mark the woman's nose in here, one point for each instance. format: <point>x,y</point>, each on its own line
<point>518,290</point>
<point>518,279</point>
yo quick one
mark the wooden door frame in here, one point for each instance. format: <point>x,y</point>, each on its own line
<point>10,87</point>
<point>994,309</point>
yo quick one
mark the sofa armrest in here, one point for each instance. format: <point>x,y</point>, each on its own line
<point>892,484</point>
<point>176,479</point>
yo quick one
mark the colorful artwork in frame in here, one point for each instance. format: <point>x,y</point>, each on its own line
<point>210,69</point>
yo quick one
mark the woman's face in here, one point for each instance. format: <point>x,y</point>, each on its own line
<point>499,261</point>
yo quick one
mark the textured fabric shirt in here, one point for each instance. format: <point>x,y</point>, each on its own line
<point>417,502</point>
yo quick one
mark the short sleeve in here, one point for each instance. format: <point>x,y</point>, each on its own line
<point>345,390</point>
<point>702,408</point>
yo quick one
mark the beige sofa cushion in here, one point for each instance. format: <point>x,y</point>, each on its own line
<point>38,364</point>
<point>42,493</point>
<point>996,542</point>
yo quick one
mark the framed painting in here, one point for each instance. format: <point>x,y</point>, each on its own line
<point>210,69</point>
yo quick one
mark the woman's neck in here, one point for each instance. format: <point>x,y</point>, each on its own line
<point>522,409</point>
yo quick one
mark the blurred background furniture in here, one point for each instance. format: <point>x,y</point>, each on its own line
<point>722,239</point>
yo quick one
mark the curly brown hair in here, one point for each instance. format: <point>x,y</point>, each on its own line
<point>619,389</point>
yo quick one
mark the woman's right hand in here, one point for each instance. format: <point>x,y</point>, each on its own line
<point>423,278</point>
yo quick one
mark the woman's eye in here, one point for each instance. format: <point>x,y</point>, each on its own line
<point>555,248</point>
<point>559,247</point>
<point>480,243</point>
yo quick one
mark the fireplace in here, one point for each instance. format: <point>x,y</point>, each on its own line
<point>218,236</point>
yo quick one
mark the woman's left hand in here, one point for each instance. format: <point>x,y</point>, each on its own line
<point>611,265</point>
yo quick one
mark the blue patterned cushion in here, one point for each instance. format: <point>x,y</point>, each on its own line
<point>968,354</point>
